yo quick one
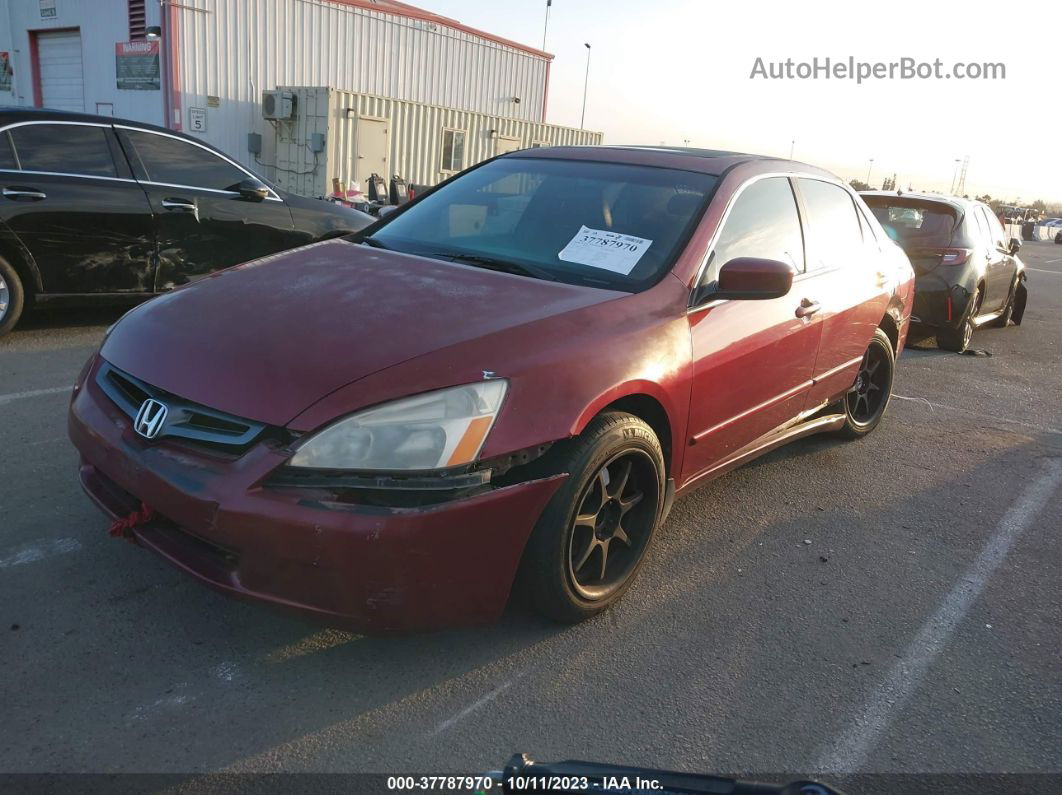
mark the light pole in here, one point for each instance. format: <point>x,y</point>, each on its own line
<point>954,176</point>
<point>546,26</point>
<point>792,146</point>
<point>869,169</point>
<point>586,83</point>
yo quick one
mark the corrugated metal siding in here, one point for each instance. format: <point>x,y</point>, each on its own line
<point>234,50</point>
<point>416,138</point>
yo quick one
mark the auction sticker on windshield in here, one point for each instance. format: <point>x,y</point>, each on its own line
<point>610,251</point>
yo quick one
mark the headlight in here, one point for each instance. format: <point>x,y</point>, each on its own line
<point>445,428</point>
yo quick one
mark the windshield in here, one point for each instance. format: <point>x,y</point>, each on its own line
<point>604,224</point>
<point>913,223</point>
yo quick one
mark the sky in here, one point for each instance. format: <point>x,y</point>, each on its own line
<point>668,71</point>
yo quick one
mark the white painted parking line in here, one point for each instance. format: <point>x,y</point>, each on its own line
<point>33,393</point>
<point>850,750</point>
<point>39,551</point>
<point>1041,270</point>
<point>475,705</point>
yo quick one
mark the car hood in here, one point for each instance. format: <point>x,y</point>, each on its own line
<point>266,339</point>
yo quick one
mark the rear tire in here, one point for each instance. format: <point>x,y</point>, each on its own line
<point>865,403</point>
<point>958,338</point>
<point>12,297</point>
<point>588,545</point>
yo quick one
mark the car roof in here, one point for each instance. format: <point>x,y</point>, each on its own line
<point>956,202</point>
<point>12,114</point>
<point>706,161</point>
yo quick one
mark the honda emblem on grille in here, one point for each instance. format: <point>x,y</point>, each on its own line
<point>150,419</point>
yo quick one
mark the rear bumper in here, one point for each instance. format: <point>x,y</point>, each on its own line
<point>363,567</point>
<point>938,302</point>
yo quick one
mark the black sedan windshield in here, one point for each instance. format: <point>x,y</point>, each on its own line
<point>605,224</point>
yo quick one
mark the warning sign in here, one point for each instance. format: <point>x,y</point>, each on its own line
<point>136,63</point>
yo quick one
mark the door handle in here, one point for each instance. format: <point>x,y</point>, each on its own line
<point>182,205</point>
<point>808,308</point>
<point>24,194</point>
<point>179,204</point>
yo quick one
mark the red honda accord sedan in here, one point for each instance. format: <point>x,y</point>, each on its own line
<point>499,388</point>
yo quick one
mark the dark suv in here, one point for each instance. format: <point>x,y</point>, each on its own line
<point>99,208</point>
<point>968,273</point>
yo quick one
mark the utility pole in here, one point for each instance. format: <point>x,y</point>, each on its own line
<point>586,83</point>
<point>546,26</point>
<point>961,187</point>
<point>869,168</point>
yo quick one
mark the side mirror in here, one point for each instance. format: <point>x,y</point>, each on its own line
<point>1015,245</point>
<point>252,190</point>
<point>753,279</point>
<point>386,210</point>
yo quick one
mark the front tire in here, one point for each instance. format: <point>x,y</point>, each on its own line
<point>1008,311</point>
<point>12,297</point>
<point>866,401</point>
<point>589,543</point>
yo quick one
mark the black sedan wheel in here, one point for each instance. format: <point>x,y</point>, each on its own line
<point>866,401</point>
<point>591,540</point>
<point>11,298</point>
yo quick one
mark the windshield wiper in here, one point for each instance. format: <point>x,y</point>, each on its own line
<point>491,263</point>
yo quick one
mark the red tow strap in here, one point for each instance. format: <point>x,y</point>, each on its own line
<point>123,528</point>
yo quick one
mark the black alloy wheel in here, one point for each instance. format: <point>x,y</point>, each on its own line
<point>867,399</point>
<point>613,525</point>
<point>591,539</point>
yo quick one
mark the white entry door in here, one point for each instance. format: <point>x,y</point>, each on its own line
<point>373,150</point>
<point>59,65</point>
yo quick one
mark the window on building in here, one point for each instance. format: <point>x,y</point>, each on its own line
<point>835,236</point>
<point>175,162</point>
<point>453,152</point>
<point>763,223</point>
<point>64,149</point>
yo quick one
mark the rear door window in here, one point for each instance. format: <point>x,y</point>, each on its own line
<point>996,235</point>
<point>836,238</point>
<point>175,162</point>
<point>763,223</point>
<point>64,149</point>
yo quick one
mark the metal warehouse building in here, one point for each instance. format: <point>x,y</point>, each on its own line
<point>212,68</point>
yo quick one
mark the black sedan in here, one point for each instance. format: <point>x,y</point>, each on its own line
<point>100,209</point>
<point>967,274</point>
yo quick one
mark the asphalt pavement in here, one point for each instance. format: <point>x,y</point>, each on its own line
<point>887,605</point>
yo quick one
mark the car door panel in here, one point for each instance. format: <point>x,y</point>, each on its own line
<point>202,222</point>
<point>200,231</point>
<point>85,222</point>
<point>752,359</point>
<point>999,268</point>
<point>848,278</point>
<point>753,363</point>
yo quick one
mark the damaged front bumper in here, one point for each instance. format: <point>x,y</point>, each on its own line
<point>366,567</point>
